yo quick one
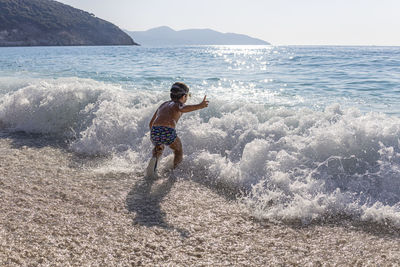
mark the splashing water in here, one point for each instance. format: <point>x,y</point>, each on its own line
<point>296,160</point>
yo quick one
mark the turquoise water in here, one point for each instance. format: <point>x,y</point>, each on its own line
<point>308,132</point>
<point>367,78</point>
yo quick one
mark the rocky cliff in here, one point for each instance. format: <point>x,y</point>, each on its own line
<point>50,23</point>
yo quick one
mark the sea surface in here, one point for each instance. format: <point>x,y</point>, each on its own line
<point>304,132</point>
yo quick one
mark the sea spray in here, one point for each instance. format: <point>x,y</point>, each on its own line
<point>294,163</point>
<point>48,106</point>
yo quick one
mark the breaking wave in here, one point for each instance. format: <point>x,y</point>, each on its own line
<point>295,164</point>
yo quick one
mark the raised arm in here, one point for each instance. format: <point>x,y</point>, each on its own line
<point>190,108</point>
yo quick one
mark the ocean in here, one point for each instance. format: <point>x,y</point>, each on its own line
<point>298,133</point>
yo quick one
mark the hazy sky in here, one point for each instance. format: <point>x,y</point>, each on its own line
<point>280,22</point>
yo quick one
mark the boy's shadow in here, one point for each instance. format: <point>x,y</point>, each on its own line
<point>145,199</point>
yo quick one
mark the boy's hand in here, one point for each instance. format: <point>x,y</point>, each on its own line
<point>204,103</point>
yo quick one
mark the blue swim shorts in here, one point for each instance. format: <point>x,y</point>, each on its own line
<point>162,135</point>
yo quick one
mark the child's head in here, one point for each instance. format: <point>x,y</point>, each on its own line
<point>178,90</point>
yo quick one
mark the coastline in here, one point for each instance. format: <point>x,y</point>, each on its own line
<point>56,212</point>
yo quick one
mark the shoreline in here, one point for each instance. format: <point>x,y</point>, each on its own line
<point>57,214</point>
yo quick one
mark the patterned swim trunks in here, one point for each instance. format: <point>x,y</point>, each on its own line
<point>162,135</point>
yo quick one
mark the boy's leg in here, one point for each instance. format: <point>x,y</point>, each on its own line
<point>176,146</point>
<point>157,151</point>
<point>151,170</point>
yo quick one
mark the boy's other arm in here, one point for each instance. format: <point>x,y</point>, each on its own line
<point>190,108</point>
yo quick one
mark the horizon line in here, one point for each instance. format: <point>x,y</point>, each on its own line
<point>271,42</point>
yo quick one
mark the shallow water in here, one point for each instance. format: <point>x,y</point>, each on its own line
<point>308,132</point>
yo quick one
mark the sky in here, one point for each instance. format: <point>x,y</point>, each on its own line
<point>280,22</point>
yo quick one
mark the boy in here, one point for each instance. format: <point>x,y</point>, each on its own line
<point>163,123</point>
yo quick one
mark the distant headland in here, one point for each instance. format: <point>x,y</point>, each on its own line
<point>167,36</point>
<point>50,23</point>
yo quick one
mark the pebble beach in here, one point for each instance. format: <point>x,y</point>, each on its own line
<point>57,212</point>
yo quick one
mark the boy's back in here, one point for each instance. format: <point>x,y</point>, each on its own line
<point>168,114</point>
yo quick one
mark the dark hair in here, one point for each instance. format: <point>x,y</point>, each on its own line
<point>178,90</point>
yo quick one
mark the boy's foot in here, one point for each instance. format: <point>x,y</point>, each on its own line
<point>151,170</point>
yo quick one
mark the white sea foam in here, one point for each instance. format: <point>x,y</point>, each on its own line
<point>297,164</point>
<point>48,106</point>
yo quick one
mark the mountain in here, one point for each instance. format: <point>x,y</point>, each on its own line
<point>47,22</point>
<point>167,36</point>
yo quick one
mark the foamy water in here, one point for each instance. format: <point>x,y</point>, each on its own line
<point>299,156</point>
